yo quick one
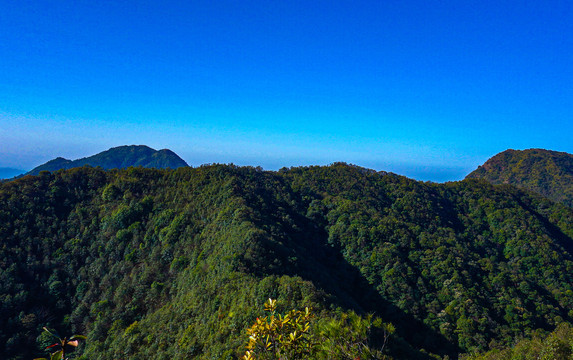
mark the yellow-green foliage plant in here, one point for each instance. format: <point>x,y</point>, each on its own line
<point>276,336</point>
<point>293,336</point>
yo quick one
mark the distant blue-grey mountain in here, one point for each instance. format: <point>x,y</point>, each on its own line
<point>7,173</point>
<point>120,157</point>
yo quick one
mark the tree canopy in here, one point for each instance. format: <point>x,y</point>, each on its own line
<point>169,264</point>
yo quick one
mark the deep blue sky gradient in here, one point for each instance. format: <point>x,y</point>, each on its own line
<point>427,89</point>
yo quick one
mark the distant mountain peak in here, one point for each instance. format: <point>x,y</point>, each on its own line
<point>118,157</point>
<point>547,172</point>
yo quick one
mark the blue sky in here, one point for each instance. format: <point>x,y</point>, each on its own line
<point>426,89</point>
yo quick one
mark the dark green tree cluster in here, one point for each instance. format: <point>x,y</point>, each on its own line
<point>173,264</point>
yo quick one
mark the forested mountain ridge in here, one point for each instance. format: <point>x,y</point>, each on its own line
<point>549,173</point>
<point>120,157</point>
<point>173,264</point>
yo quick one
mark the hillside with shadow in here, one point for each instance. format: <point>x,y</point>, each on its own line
<point>171,264</point>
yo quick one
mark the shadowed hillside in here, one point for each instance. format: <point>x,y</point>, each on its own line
<point>173,264</point>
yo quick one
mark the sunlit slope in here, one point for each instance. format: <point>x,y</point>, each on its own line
<point>546,172</point>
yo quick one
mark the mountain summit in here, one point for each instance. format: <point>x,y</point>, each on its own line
<point>118,158</point>
<point>549,173</point>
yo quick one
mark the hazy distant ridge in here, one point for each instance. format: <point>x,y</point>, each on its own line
<point>120,157</point>
<point>6,173</point>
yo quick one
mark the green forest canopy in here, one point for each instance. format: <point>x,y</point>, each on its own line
<point>170,264</point>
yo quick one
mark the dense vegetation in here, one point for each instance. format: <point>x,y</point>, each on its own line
<point>173,264</point>
<point>120,157</point>
<point>294,336</point>
<point>558,345</point>
<point>546,172</point>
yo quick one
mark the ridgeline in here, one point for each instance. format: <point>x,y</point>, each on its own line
<point>120,157</point>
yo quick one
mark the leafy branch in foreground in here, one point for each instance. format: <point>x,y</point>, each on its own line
<point>63,345</point>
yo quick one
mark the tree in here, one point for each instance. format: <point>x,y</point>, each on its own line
<point>348,337</point>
